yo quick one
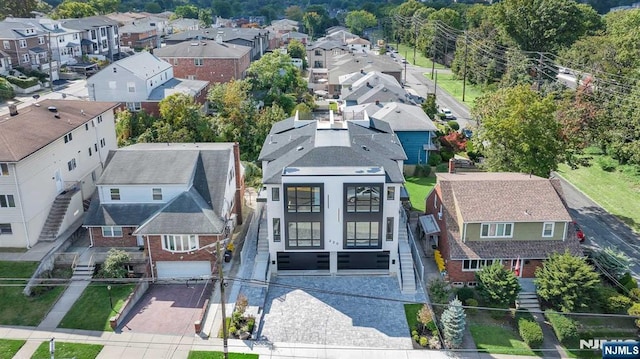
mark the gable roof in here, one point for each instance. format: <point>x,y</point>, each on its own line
<point>294,143</point>
<point>34,127</point>
<point>400,116</point>
<point>174,85</point>
<point>196,165</point>
<point>501,197</point>
<point>203,49</point>
<point>143,65</point>
<point>358,65</point>
<point>88,23</point>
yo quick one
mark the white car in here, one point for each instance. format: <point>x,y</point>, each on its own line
<point>448,114</point>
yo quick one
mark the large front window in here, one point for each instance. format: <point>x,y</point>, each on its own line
<point>364,198</point>
<point>496,230</point>
<point>472,265</point>
<point>363,234</point>
<point>304,234</point>
<point>180,242</point>
<point>303,199</point>
<point>112,231</point>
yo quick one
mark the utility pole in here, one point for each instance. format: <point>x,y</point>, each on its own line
<point>405,67</point>
<point>50,65</point>
<point>225,334</point>
<point>435,85</point>
<point>464,76</point>
<point>433,51</point>
<point>415,39</point>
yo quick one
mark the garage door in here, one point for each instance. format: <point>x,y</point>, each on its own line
<point>303,260</point>
<point>363,260</point>
<point>183,269</point>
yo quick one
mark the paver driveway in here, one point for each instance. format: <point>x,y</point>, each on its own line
<point>168,309</point>
<point>314,310</point>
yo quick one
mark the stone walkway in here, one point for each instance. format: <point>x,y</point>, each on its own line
<point>364,311</point>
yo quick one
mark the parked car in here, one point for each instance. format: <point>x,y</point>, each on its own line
<point>448,114</point>
<point>579,232</point>
<point>366,194</point>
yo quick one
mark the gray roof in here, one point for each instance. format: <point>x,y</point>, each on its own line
<point>143,64</point>
<point>203,49</point>
<point>297,144</point>
<point>195,211</point>
<point>188,213</point>
<point>88,23</point>
<point>227,34</point>
<point>401,117</point>
<point>327,45</point>
<point>343,64</point>
<point>150,167</point>
<point>174,85</point>
<point>137,27</point>
<point>13,30</point>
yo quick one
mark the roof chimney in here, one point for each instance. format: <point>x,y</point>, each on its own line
<point>13,109</point>
<point>452,165</point>
<point>377,102</point>
<point>219,37</point>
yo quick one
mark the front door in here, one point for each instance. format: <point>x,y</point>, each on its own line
<point>59,181</point>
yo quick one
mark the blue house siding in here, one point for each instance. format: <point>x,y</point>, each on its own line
<point>412,143</point>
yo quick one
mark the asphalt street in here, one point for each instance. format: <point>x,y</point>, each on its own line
<point>601,228</point>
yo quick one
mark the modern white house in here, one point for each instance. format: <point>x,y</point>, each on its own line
<point>51,155</point>
<point>175,200</point>
<point>332,190</point>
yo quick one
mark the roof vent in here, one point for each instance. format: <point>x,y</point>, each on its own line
<point>56,116</point>
<point>365,148</point>
<point>300,148</point>
<point>52,109</point>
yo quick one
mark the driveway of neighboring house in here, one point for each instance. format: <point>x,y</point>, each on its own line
<point>168,309</point>
<point>363,311</point>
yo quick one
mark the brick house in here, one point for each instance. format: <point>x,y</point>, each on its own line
<point>141,34</point>
<point>140,82</point>
<point>26,45</point>
<point>176,215</point>
<point>207,60</point>
<point>517,219</point>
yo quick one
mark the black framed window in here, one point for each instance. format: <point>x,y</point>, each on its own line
<point>304,234</point>
<point>391,193</point>
<point>363,235</point>
<point>276,230</point>
<point>304,199</point>
<point>363,198</point>
<point>275,194</point>
<point>390,225</point>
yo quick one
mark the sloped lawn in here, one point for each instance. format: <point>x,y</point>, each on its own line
<point>418,188</point>
<point>496,336</point>
<point>15,307</point>
<point>92,310</point>
<point>68,350</point>
<point>9,347</point>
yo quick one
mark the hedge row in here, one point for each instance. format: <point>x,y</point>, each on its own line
<point>23,83</point>
<point>565,328</point>
<point>530,331</point>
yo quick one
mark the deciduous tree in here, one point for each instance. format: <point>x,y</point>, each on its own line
<point>294,12</point>
<point>359,20</point>
<point>70,9</point>
<point>567,282</point>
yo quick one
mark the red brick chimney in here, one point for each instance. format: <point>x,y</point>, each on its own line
<point>239,198</point>
<point>452,165</point>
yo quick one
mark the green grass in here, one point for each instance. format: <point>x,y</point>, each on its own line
<point>411,312</point>
<point>92,310</point>
<point>68,350</point>
<point>422,61</point>
<point>9,347</point>
<point>453,86</point>
<point>600,328</point>
<point>495,339</point>
<point>617,192</point>
<point>15,308</point>
<point>419,188</point>
<point>219,355</point>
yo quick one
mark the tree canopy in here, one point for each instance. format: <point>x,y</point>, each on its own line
<point>497,285</point>
<point>359,20</point>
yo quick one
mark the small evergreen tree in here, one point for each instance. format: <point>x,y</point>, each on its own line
<point>454,323</point>
<point>113,266</point>
<point>497,285</point>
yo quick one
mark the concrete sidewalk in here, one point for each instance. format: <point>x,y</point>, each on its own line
<point>143,346</point>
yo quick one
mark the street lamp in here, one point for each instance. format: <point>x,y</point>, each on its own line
<point>110,298</point>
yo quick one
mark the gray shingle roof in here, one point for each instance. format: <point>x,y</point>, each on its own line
<point>174,85</point>
<point>297,147</point>
<point>118,214</point>
<point>151,167</point>
<point>204,49</point>
<point>401,117</point>
<point>88,23</point>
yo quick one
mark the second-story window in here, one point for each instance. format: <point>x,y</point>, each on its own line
<point>131,87</point>
<point>496,230</point>
<point>115,194</point>
<point>93,34</point>
<point>303,199</point>
<point>71,164</point>
<point>391,193</point>
<point>41,40</point>
<point>23,43</point>
<point>68,137</point>
<point>547,229</point>
<point>157,194</point>
<point>198,62</point>
<point>7,201</point>
<point>275,194</point>
<point>112,231</point>
<point>4,169</point>
<point>6,44</point>
<point>26,58</point>
<point>276,230</point>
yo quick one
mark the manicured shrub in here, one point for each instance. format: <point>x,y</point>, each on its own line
<point>23,83</point>
<point>446,155</point>
<point>628,281</point>
<point>422,171</point>
<point>6,91</point>
<point>634,294</point>
<point>565,328</point>
<point>635,311</point>
<point>618,304</point>
<point>454,125</point>
<point>416,338</point>
<point>465,293</point>
<point>414,333</point>
<point>424,341</point>
<point>530,332</point>
<point>434,342</point>
<point>443,167</point>
<point>607,164</point>
<point>471,302</point>
<point>434,159</point>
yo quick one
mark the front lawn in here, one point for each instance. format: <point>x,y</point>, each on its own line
<point>92,310</point>
<point>453,86</point>
<point>594,327</point>
<point>68,350</point>
<point>9,347</point>
<point>618,192</point>
<point>411,312</point>
<point>219,355</point>
<point>496,339</point>
<point>15,307</point>
<point>419,188</point>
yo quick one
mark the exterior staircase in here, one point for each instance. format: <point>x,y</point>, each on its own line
<point>56,216</point>
<point>407,273</point>
<point>261,262</point>
<point>529,301</point>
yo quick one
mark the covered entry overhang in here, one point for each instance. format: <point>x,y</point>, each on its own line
<point>427,226</point>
